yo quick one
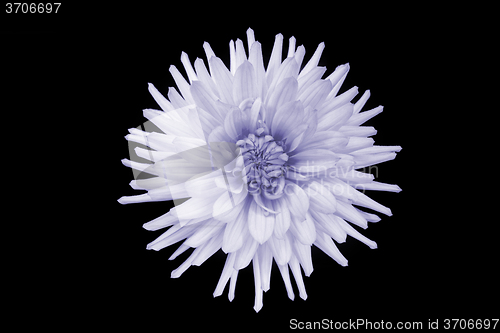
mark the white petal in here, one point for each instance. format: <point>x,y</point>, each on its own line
<point>205,99</point>
<point>245,83</point>
<point>188,67</point>
<point>297,199</point>
<point>306,80</point>
<point>223,79</point>
<point>232,57</point>
<point>258,287</point>
<point>361,102</point>
<point>299,55</point>
<point>326,223</point>
<point>184,266</point>
<point>354,233</point>
<point>324,140</point>
<point>335,119</point>
<point>303,231</point>
<point>208,51</point>
<point>261,227</point>
<point>376,150</point>
<point>204,77</point>
<point>363,161</point>
<point>356,143</point>
<point>232,285</point>
<point>227,271</point>
<point>245,254</point>
<point>266,262</point>
<point>297,274</point>
<point>280,248</point>
<point>303,254</point>
<point>148,183</point>
<point>368,216</point>
<point>325,244</point>
<point>362,117</point>
<point>287,115</point>
<point>315,95</point>
<point>255,59</point>
<point>163,221</point>
<point>250,38</point>
<point>364,201</point>
<point>181,84</point>
<point>376,186</point>
<point>227,204</point>
<point>282,222</point>
<point>159,98</point>
<point>291,47</point>
<point>194,208</point>
<point>125,200</point>
<point>240,53</point>
<point>286,278</point>
<point>171,236</point>
<point>180,250</point>
<point>235,232</point>
<point>358,130</point>
<point>337,78</point>
<point>334,102</point>
<point>313,62</point>
<point>284,94</point>
<point>275,60</point>
<point>289,68</point>
<point>320,198</point>
<point>204,232</point>
<point>208,249</point>
<point>347,212</point>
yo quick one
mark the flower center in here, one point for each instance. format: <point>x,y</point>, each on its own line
<point>265,164</point>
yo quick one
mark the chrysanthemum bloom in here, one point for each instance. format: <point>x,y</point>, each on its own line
<point>268,159</point>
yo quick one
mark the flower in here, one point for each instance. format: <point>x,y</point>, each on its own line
<point>268,159</point>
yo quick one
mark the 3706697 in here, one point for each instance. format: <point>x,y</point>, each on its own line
<point>32,8</point>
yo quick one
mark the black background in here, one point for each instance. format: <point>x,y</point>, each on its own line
<point>79,81</point>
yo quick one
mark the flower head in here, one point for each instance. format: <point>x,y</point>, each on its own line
<point>268,159</point>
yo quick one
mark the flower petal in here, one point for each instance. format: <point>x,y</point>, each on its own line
<point>261,227</point>
<point>159,98</point>
<point>320,198</point>
<point>313,62</point>
<point>303,254</point>
<point>204,76</point>
<point>205,99</point>
<point>266,262</point>
<point>325,244</point>
<point>171,236</point>
<point>326,223</point>
<point>347,212</point>
<point>280,248</point>
<point>334,102</point>
<point>227,271</point>
<point>275,60</point>
<point>245,83</point>
<point>285,92</point>
<point>282,222</point>
<point>304,231</point>
<point>234,232</point>
<point>205,231</point>
<point>181,84</point>
<point>255,59</point>
<point>286,278</point>
<point>335,119</point>
<point>297,199</point>
<point>315,94</point>
<point>247,251</point>
<point>257,280</point>
<point>297,274</point>
<point>354,233</point>
<point>223,79</point>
